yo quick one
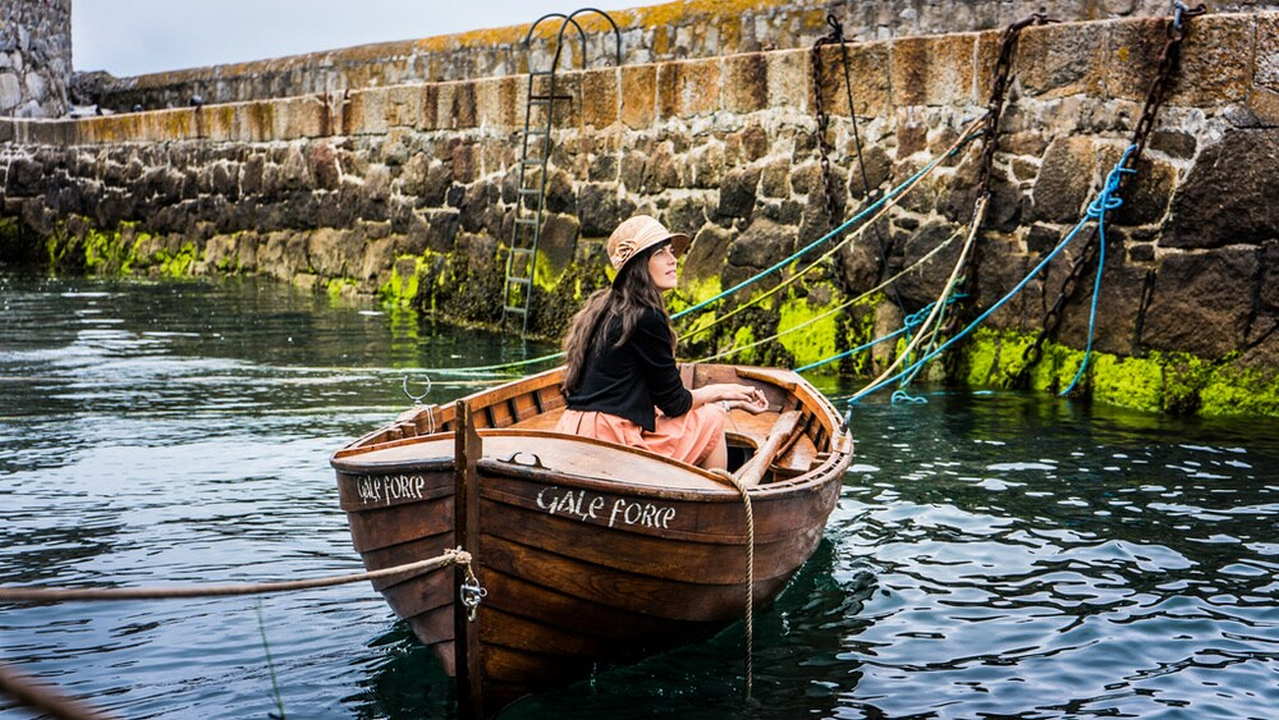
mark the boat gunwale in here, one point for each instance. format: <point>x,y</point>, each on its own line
<point>792,384</point>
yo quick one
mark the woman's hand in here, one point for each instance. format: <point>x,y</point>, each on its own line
<point>755,405</point>
<point>732,395</point>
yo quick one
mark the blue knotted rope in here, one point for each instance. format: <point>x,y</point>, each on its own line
<point>1111,201</point>
<point>1106,201</point>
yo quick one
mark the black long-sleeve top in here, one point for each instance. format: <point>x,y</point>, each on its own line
<point>628,381</point>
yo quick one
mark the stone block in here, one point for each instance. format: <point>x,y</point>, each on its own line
<point>936,70</point>
<point>639,95</point>
<point>1217,203</point>
<point>745,83</point>
<point>455,105</point>
<point>403,106</point>
<point>1062,187</point>
<point>1269,292</point>
<point>922,286</point>
<point>737,194</point>
<point>1145,195</point>
<point>877,166</point>
<point>1197,304</point>
<point>600,97</point>
<point>1216,61</point>
<point>440,230</point>
<point>428,107</point>
<point>774,181</point>
<point>761,245</point>
<point>297,117</point>
<point>1119,305</point>
<point>688,88</point>
<point>601,208</point>
<point>559,240</point>
<point>686,214</point>
<point>789,79</point>
<point>868,65</point>
<point>257,120</point>
<point>1059,60</point>
<point>704,167</point>
<point>373,111</point>
<point>706,254</point>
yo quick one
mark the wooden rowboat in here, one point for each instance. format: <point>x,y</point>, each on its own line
<point>588,551</point>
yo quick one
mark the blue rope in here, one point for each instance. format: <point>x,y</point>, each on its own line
<point>846,353</point>
<point>903,396</point>
<point>998,304</point>
<point>913,320</point>
<point>873,207</point>
<point>1106,201</point>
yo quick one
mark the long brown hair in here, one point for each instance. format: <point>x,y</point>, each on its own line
<point>631,294</point>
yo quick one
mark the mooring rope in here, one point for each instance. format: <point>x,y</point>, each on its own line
<point>829,253</point>
<point>939,304</point>
<point>1111,184</point>
<point>970,132</point>
<point>842,306</point>
<point>12,594</point>
<point>749,619</point>
<point>1106,201</point>
<point>45,699</point>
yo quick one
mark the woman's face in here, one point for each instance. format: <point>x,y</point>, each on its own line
<point>661,268</point>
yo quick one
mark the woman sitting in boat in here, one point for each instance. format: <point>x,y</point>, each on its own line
<point>622,383</point>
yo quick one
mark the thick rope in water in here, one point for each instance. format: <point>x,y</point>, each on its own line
<point>868,224</point>
<point>12,594</point>
<point>842,306</point>
<point>749,619</point>
<point>45,699</point>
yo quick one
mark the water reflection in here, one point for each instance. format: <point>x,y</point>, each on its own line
<point>992,555</point>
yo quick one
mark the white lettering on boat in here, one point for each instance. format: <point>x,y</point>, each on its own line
<point>388,488</point>
<point>584,506</point>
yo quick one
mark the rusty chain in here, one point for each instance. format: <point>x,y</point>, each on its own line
<point>994,111</point>
<point>836,36</point>
<point>824,148</point>
<point>1169,61</point>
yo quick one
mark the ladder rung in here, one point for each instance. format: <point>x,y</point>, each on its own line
<point>548,98</point>
<point>530,191</point>
<point>522,250</point>
<point>520,280</point>
<point>541,72</point>
<point>532,163</point>
<point>512,308</point>
<point>525,221</point>
<point>536,131</point>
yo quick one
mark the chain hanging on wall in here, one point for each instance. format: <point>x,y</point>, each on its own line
<point>1169,62</point>
<point>836,37</point>
<point>994,112</point>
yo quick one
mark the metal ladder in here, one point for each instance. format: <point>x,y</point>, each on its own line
<point>535,152</point>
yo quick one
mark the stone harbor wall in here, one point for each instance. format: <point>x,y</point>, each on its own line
<point>407,193</point>
<point>672,31</point>
<point>35,57</point>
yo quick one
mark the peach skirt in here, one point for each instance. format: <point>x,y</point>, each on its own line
<point>688,438</point>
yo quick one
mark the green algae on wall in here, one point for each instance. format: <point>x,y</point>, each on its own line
<point>1172,382</point>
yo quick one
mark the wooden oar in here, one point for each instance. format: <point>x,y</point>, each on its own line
<point>752,472</point>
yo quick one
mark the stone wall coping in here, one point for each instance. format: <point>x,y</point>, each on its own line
<point>670,13</point>
<point>1220,59</point>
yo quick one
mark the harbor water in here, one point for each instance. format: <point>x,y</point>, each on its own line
<point>992,554</point>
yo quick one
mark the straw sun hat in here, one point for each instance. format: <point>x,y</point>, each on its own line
<point>637,234</point>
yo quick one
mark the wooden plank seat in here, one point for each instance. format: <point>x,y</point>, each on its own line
<point>743,429</point>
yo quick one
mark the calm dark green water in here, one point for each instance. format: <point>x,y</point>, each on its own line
<point>992,555</point>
